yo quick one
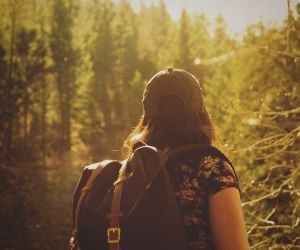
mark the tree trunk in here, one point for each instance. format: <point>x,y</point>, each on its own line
<point>9,83</point>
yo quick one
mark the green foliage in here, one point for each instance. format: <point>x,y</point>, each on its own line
<point>72,75</point>
<point>64,59</point>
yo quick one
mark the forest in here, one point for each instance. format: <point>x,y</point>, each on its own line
<point>72,75</point>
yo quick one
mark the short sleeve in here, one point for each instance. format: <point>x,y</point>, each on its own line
<point>222,175</point>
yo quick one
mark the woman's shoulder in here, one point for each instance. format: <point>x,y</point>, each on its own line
<point>210,163</point>
<point>218,173</point>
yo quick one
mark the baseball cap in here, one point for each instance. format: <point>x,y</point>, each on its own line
<point>173,82</point>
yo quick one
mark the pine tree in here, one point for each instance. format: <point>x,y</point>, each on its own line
<point>64,60</point>
<point>12,81</point>
<point>103,80</point>
<point>3,74</point>
<point>184,59</point>
<point>125,31</point>
<point>162,35</point>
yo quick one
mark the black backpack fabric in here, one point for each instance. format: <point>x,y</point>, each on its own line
<point>152,218</point>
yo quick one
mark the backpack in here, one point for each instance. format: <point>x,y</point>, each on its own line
<point>131,205</point>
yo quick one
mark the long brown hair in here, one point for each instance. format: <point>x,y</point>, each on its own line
<point>172,128</point>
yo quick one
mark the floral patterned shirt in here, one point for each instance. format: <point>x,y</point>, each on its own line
<point>194,181</point>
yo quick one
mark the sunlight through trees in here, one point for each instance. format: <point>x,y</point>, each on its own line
<point>72,75</point>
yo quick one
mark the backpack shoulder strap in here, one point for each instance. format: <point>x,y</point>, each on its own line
<point>86,181</point>
<point>142,154</point>
<point>114,230</point>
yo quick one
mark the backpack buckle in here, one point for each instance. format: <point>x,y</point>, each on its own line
<point>113,234</point>
<point>72,243</point>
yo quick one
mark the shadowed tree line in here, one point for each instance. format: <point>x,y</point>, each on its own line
<point>72,75</point>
